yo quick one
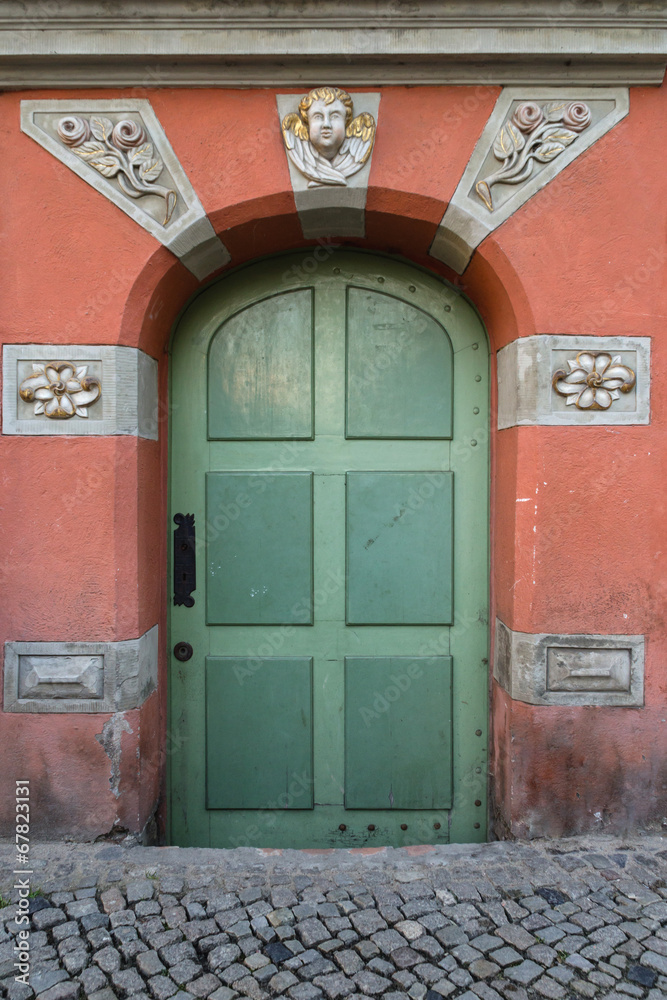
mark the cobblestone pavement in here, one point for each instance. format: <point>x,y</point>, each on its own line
<point>585,917</point>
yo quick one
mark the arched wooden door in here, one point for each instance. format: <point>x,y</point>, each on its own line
<point>329,434</point>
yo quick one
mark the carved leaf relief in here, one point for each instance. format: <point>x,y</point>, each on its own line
<point>507,140</point>
<point>123,151</point>
<point>534,134</point>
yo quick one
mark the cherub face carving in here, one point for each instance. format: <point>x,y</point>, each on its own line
<point>324,140</point>
<point>326,127</point>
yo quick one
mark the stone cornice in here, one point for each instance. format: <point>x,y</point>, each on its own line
<point>190,43</point>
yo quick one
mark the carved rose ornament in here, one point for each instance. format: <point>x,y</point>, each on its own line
<point>60,390</point>
<point>535,133</point>
<point>324,140</point>
<point>123,151</point>
<point>593,381</point>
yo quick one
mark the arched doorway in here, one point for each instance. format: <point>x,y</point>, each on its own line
<point>330,435</point>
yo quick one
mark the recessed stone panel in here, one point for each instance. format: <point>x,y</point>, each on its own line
<point>329,206</point>
<point>48,677</point>
<point>532,134</point>
<point>80,676</point>
<point>543,669</point>
<point>580,669</point>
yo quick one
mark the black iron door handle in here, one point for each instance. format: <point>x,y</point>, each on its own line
<point>185,564</point>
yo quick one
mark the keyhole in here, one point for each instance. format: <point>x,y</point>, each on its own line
<point>182,651</point>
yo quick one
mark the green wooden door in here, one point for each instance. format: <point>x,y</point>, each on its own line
<point>329,433</point>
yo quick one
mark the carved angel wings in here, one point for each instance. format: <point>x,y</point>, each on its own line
<point>352,155</point>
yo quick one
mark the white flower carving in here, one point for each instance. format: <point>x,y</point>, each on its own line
<point>593,381</point>
<point>60,389</point>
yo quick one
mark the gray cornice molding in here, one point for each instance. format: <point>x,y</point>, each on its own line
<point>288,43</point>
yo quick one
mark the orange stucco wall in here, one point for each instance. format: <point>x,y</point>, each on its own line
<point>84,524</point>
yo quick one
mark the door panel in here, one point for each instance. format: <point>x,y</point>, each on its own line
<point>399,369</point>
<point>399,548</point>
<point>275,697</point>
<point>260,371</point>
<point>259,548</point>
<point>329,435</point>
<point>398,738</point>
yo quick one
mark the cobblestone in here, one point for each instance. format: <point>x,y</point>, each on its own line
<point>543,921</point>
<point>505,956</point>
<point>108,959</point>
<point>405,958</point>
<point>525,973</point>
<point>312,931</point>
<point>334,985</point>
<point>548,987</point>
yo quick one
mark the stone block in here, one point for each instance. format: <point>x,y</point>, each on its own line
<point>108,959</point>
<point>203,986</point>
<point>334,985</point>
<point>184,972</point>
<point>471,217</point>
<point>526,368</point>
<point>162,987</point>
<point>46,918</point>
<point>282,981</point>
<point>543,669</point>
<point>181,225</point>
<point>312,932</point>
<point>331,209</point>
<point>128,400</point>
<point>80,677</point>
<point>370,983</point>
<point>127,982</point>
<point>223,993</point>
<point>69,990</point>
<point>525,973</point>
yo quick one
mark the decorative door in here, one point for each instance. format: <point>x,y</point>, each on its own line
<point>329,435</point>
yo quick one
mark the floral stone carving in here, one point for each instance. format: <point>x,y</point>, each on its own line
<point>594,381</point>
<point>60,390</point>
<point>324,140</point>
<point>123,151</point>
<point>535,133</point>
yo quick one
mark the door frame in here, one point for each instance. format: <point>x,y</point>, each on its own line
<point>292,271</point>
